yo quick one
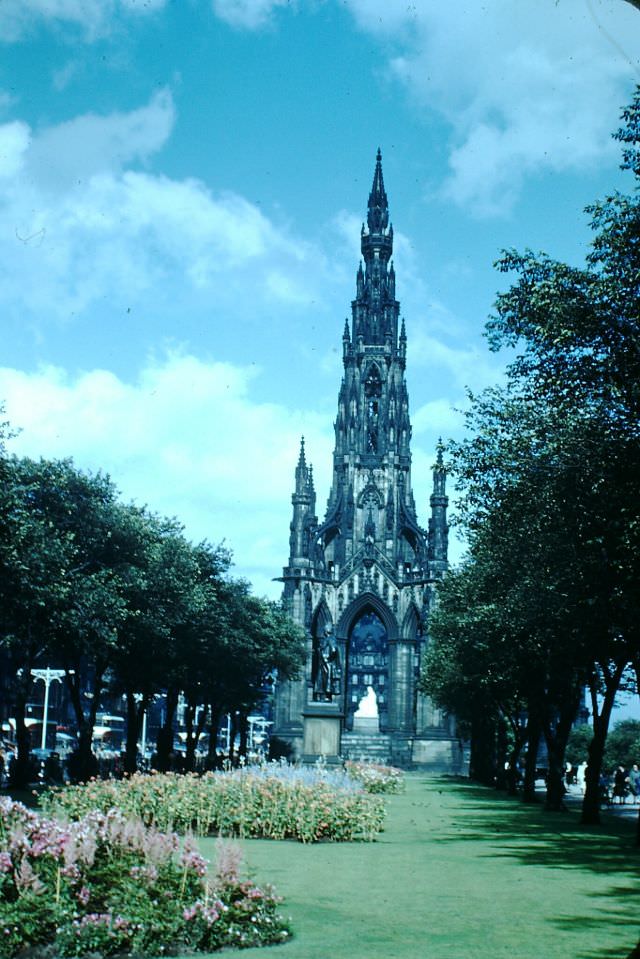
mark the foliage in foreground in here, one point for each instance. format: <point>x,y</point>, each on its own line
<point>271,802</point>
<point>105,884</point>
<point>376,778</point>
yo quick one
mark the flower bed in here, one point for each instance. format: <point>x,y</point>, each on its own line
<point>376,778</point>
<point>274,802</point>
<point>108,885</point>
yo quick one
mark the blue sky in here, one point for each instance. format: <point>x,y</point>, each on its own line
<point>182,184</point>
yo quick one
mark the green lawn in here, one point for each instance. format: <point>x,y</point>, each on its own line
<point>459,873</point>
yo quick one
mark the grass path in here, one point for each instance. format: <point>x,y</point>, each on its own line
<point>459,873</point>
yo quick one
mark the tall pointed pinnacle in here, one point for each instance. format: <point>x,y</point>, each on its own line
<point>378,212</point>
<point>302,471</point>
<point>301,459</point>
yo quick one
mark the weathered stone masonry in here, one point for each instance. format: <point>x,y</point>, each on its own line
<point>364,575</point>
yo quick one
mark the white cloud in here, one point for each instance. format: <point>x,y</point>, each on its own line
<point>14,140</point>
<point>250,14</point>
<point>187,438</point>
<point>438,418</point>
<point>67,154</point>
<point>462,365</point>
<point>526,88</point>
<point>79,224</point>
<point>94,17</point>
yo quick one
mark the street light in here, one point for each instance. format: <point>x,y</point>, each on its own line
<point>47,676</point>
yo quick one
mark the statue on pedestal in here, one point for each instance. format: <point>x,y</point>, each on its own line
<point>327,673</point>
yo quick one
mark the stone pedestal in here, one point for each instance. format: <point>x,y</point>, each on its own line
<point>322,729</point>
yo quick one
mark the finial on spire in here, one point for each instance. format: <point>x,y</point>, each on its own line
<point>439,452</point>
<point>378,212</point>
<point>301,460</point>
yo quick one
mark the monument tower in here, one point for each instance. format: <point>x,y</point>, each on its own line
<point>361,580</point>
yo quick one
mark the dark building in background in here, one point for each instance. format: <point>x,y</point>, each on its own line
<point>361,581</point>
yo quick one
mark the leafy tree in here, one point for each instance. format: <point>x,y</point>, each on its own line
<point>257,640</point>
<point>36,559</point>
<point>552,461</point>
<point>86,509</point>
<point>578,744</point>
<point>623,745</point>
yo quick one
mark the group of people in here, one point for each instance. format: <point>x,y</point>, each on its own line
<point>615,788</point>
<point>626,783</point>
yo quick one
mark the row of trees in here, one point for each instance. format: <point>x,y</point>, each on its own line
<point>125,604</point>
<point>546,603</point>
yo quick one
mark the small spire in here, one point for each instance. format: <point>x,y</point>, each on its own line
<point>403,332</point>
<point>301,460</point>
<point>378,212</point>
<point>310,478</point>
<point>439,452</point>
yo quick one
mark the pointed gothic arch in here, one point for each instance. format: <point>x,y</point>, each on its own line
<point>321,618</point>
<point>358,607</point>
<point>411,623</point>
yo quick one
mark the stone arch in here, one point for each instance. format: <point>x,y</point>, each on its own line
<point>411,624</point>
<point>367,631</point>
<point>322,617</point>
<point>358,606</point>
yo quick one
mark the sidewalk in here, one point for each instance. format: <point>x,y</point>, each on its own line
<point>628,810</point>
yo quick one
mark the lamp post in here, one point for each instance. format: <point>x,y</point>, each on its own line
<point>47,676</point>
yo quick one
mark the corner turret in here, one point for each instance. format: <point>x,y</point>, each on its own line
<point>438,526</point>
<point>304,508</point>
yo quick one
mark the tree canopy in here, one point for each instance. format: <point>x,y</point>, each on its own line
<point>546,602</point>
<point>126,605</point>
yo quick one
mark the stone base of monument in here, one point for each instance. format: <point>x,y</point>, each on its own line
<point>368,725</point>
<point>439,755</point>
<point>322,729</point>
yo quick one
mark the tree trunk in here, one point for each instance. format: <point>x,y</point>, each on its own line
<point>196,717</point>
<point>244,727</point>
<point>135,716</point>
<point>501,776</point>
<point>21,768</point>
<point>83,765</point>
<point>165,733</point>
<point>233,725</point>
<point>531,760</point>
<point>556,734</point>
<point>513,778</point>
<point>601,718</point>
<point>482,760</point>
<point>214,726</point>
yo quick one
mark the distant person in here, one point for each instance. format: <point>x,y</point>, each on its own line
<point>53,770</point>
<point>620,784</point>
<point>581,777</point>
